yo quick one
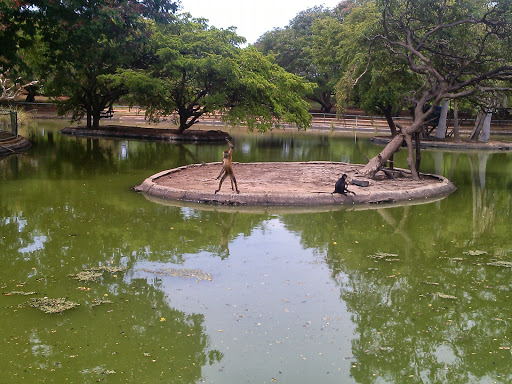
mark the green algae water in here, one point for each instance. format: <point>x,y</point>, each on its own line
<point>200,294</point>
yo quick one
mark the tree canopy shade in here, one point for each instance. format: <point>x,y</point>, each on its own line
<point>86,41</point>
<point>199,69</point>
<point>458,48</point>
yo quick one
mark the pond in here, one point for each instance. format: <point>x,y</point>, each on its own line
<point>412,294</point>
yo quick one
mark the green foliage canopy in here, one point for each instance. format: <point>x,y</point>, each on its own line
<point>87,40</point>
<point>292,49</point>
<point>368,77</point>
<point>198,69</point>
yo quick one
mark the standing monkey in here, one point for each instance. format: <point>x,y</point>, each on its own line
<point>227,168</point>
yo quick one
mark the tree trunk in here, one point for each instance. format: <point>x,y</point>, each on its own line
<point>31,94</point>
<point>441,126</point>
<point>183,122</point>
<point>478,126</point>
<point>89,120</point>
<point>326,102</point>
<point>379,161</point>
<point>418,149</point>
<point>326,108</point>
<point>456,125</point>
<point>96,119</point>
<point>410,156</point>
<point>485,134</point>
<point>389,119</point>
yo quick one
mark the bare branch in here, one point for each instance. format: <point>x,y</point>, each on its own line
<point>10,91</point>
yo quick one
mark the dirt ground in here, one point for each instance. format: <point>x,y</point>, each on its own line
<point>291,183</point>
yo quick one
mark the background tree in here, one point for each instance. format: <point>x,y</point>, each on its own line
<point>16,29</point>
<point>87,40</point>
<point>458,48</point>
<point>17,36</point>
<point>200,69</point>
<point>385,86</point>
<point>292,48</point>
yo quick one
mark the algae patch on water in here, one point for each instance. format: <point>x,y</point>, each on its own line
<point>48,305</point>
<point>183,273</point>
<point>384,256</point>
<point>475,252</point>
<point>22,293</point>
<point>107,269</point>
<point>97,302</point>
<point>86,275</point>
<point>445,296</point>
<point>499,263</point>
<point>92,274</point>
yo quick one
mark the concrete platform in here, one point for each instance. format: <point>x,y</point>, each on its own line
<point>289,184</point>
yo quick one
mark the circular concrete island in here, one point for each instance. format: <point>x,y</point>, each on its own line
<point>291,184</point>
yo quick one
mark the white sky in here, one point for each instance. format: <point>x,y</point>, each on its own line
<point>252,18</point>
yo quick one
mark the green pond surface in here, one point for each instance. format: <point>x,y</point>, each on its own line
<point>411,294</point>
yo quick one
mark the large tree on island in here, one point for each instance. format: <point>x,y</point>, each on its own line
<point>200,69</point>
<point>88,40</point>
<point>386,84</point>
<point>459,48</point>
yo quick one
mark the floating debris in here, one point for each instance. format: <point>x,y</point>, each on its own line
<point>184,273</point>
<point>430,283</point>
<point>385,349</point>
<point>444,296</point>
<point>86,275</point>
<point>92,274</point>
<point>108,372</point>
<point>97,302</point>
<point>506,264</point>
<point>384,256</point>
<point>19,293</point>
<point>475,253</point>
<point>51,305</point>
<point>107,269</point>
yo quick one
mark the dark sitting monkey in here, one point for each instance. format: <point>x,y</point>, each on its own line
<point>341,186</point>
<point>227,168</point>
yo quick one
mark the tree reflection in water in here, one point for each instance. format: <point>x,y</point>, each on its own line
<point>66,205</point>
